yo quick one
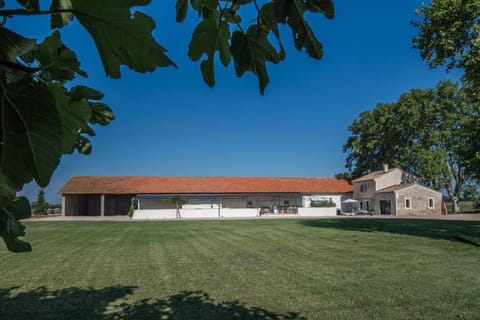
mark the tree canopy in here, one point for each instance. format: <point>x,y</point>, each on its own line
<point>424,132</point>
<point>40,206</point>
<point>448,36</point>
<point>42,116</point>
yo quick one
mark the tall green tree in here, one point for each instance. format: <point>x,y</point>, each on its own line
<point>40,206</point>
<point>345,176</point>
<point>42,116</point>
<point>448,36</point>
<point>470,153</point>
<point>424,132</point>
<point>471,192</point>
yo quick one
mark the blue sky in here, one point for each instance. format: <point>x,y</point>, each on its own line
<point>170,123</point>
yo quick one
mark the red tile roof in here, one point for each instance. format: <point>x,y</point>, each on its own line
<point>174,185</point>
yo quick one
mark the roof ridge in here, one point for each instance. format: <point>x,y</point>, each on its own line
<point>173,184</point>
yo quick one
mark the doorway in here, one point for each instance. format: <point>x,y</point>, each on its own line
<point>385,207</point>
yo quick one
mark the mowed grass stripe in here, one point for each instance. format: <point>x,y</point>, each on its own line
<point>319,269</point>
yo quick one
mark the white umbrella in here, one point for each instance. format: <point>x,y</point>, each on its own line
<point>350,201</point>
<point>352,204</point>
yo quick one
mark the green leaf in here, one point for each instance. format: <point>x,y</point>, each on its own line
<point>60,19</point>
<point>101,113</point>
<point>207,38</point>
<point>83,92</point>
<point>251,51</point>
<point>121,39</point>
<point>222,44</point>
<point>83,145</point>
<point>270,22</point>
<point>210,4</point>
<point>232,17</point>
<point>7,190</point>
<point>197,6</point>
<point>323,6</point>
<point>32,137</point>
<point>303,34</point>
<point>208,71</point>
<point>30,4</point>
<point>203,39</point>
<point>20,208</point>
<point>305,38</point>
<point>76,112</point>
<point>181,7</point>
<point>13,45</point>
<point>73,116</point>
<point>11,228</point>
<point>56,61</point>
<point>291,12</point>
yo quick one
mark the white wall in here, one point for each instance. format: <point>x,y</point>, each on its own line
<point>199,213</point>
<point>239,213</point>
<point>391,178</point>
<point>200,206</point>
<point>317,212</point>
<point>190,211</point>
<point>154,214</point>
<point>157,214</point>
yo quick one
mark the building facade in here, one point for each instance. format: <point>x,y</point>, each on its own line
<point>204,197</point>
<point>394,192</point>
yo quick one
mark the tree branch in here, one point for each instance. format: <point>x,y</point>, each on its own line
<point>25,12</point>
<point>18,66</point>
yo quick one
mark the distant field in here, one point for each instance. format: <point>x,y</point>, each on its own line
<point>252,269</point>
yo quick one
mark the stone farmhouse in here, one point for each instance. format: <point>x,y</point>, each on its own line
<point>392,192</point>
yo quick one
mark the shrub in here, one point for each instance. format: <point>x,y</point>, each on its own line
<point>131,209</point>
<point>322,203</point>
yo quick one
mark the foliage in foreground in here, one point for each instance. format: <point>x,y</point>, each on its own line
<point>42,117</point>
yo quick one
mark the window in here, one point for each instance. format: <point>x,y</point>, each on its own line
<point>286,201</point>
<point>431,203</point>
<point>408,203</point>
<point>249,203</point>
<point>363,187</point>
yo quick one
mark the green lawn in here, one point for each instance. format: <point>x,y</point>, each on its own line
<point>252,269</point>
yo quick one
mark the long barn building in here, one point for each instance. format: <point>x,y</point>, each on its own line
<point>153,197</point>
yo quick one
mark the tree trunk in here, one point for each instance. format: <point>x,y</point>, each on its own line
<point>452,193</point>
<point>456,206</point>
<point>454,197</point>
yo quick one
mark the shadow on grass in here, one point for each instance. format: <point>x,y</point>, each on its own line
<point>460,231</point>
<point>110,303</point>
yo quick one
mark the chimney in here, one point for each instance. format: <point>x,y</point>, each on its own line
<point>385,167</point>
